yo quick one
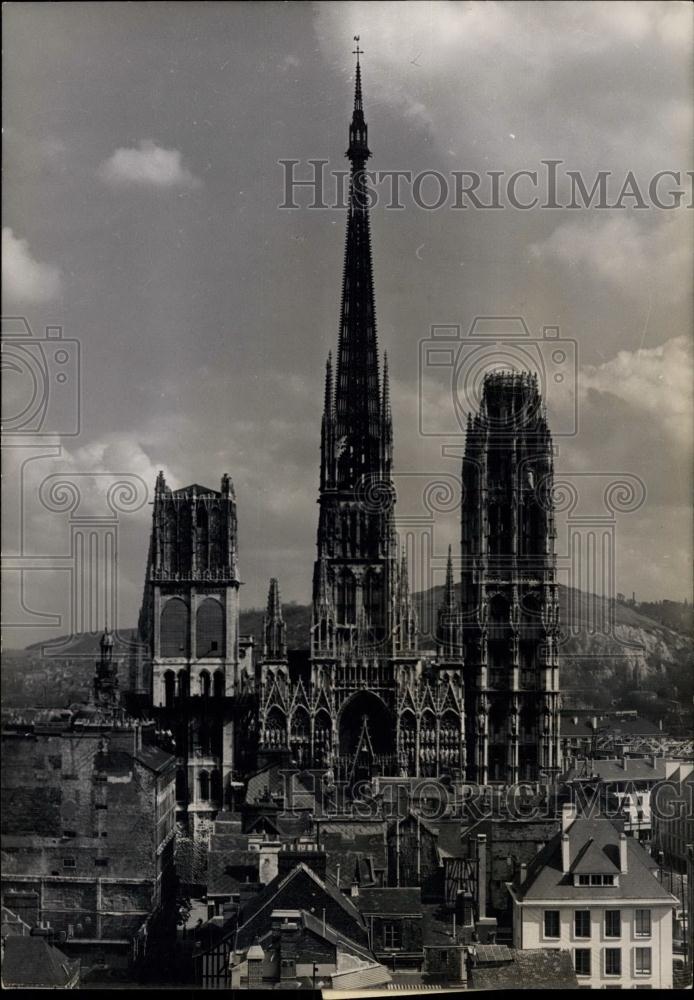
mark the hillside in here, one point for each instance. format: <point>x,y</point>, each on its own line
<point>636,662</point>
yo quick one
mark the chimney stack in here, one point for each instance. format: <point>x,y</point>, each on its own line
<point>523,874</point>
<point>482,875</point>
<point>565,853</point>
<point>568,815</point>
<point>623,853</point>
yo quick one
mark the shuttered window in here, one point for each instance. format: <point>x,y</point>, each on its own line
<point>209,629</point>
<point>174,628</point>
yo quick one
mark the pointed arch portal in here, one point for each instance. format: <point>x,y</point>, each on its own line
<point>379,720</point>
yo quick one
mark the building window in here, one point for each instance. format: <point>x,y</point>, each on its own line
<point>613,923</point>
<point>69,863</point>
<point>613,961</point>
<point>582,923</point>
<point>174,628</point>
<point>608,880</point>
<point>583,880</point>
<point>551,923</point>
<point>209,628</point>
<point>204,785</point>
<point>582,961</point>
<point>642,923</point>
<point>642,961</point>
<point>218,684</point>
<point>101,862</point>
<point>391,935</point>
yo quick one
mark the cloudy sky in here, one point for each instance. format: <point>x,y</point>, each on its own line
<point>142,193</point>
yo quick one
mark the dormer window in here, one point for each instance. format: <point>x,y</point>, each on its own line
<point>595,880</point>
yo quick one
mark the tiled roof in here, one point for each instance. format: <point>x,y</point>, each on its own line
<point>532,969</point>
<point>390,901</point>
<point>546,880</point>
<point>31,961</point>
<point>361,977</point>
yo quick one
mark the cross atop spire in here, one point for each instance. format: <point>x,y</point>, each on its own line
<point>358,104</point>
<point>358,151</point>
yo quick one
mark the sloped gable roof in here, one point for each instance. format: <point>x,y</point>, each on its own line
<point>32,961</point>
<point>545,878</point>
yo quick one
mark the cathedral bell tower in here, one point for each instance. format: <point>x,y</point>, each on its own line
<point>510,603</point>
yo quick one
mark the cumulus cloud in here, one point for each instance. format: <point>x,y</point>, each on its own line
<point>25,279</point>
<point>630,254</point>
<point>147,166</point>
<point>655,381</point>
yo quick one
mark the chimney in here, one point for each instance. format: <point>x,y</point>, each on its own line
<point>625,763</point>
<point>337,875</point>
<point>482,875</point>
<point>660,725</point>
<point>654,761</point>
<point>523,874</point>
<point>565,853</point>
<point>568,815</point>
<point>354,890</point>
<point>623,853</point>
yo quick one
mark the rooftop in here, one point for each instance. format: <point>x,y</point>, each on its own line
<point>593,848</point>
<point>536,969</point>
<point>32,961</point>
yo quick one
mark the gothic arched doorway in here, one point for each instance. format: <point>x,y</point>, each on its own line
<point>379,721</point>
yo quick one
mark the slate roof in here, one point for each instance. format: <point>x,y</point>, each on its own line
<point>154,758</point>
<point>621,725</point>
<point>226,873</point>
<point>546,880</point>
<point>391,900</point>
<point>532,969</point>
<point>32,961</point>
<point>264,900</point>
<point>437,928</point>
<point>450,842</point>
<point>353,845</point>
<point>594,859</point>
<point>624,769</point>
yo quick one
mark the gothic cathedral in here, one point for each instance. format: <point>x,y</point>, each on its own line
<point>361,699</point>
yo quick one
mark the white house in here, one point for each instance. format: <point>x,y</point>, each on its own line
<point>595,891</point>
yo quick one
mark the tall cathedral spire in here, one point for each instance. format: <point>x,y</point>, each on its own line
<point>356,566</point>
<point>274,628</point>
<point>357,383</point>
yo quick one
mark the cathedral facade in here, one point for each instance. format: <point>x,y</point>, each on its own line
<point>361,699</point>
